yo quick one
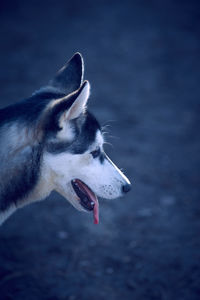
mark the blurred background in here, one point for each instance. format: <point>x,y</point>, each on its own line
<point>142,59</point>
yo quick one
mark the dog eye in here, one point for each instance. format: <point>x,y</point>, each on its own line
<point>96,153</point>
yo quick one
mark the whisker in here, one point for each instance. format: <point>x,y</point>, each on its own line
<point>105,133</point>
<point>114,137</point>
<point>109,144</point>
<point>106,127</point>
<point>105,124</point>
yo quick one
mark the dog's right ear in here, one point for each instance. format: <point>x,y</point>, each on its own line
<point>70,77</point>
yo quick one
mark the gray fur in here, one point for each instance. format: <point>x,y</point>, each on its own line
<point>42,140</point>
<point>22,137</point>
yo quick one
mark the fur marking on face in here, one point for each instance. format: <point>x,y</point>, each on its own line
<point>50,141</point>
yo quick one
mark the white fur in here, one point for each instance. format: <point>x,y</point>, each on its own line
<point>14,137</point>
<point>66,133</point>
<point>105,179</point>
<point>57,170</point>
<point>47,89</point>
<point>6,214</point>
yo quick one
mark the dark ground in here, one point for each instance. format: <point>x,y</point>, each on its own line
<point>143,61</point>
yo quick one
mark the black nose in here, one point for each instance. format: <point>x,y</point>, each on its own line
<point>126,188</point>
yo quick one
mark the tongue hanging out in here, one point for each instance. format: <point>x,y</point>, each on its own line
<point>87,198</point>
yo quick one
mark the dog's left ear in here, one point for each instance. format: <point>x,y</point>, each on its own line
<point>80,102</point>
<point>70,77</point>
<point>60,111</point>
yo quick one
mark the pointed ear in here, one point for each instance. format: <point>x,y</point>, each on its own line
<point>60,111</point>
<point>70,77</point>
<point>80,102</point>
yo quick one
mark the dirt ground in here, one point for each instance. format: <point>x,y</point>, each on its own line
<point>143,60</point>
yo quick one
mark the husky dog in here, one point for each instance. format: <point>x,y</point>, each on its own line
<point>51,142</point>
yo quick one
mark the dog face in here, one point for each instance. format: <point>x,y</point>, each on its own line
<point>74,157</point>
<point>92,167</point>
<point>76,153</point>
<point>54,143</point>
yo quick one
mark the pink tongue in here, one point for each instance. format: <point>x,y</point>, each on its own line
<point>96,211</point>
<point>96,206</point>
<point>93,198</point>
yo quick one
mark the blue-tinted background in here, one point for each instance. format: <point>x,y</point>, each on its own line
<point>142,59</point>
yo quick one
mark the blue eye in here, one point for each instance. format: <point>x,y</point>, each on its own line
<point>96,153</point>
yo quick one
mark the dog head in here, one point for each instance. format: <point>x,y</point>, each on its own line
<point>74,156</point>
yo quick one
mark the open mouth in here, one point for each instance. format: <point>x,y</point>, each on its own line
<point>87,198</point>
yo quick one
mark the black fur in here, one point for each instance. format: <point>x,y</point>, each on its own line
<point>23,170</point>
<point>28,110</point>
<point>102,157</point>
<point>20,172</point>
<point>84,137</point>
<point>22,175</point>
<point>69,78</point>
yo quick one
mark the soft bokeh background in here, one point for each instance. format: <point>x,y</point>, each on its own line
<point>142,59</point>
